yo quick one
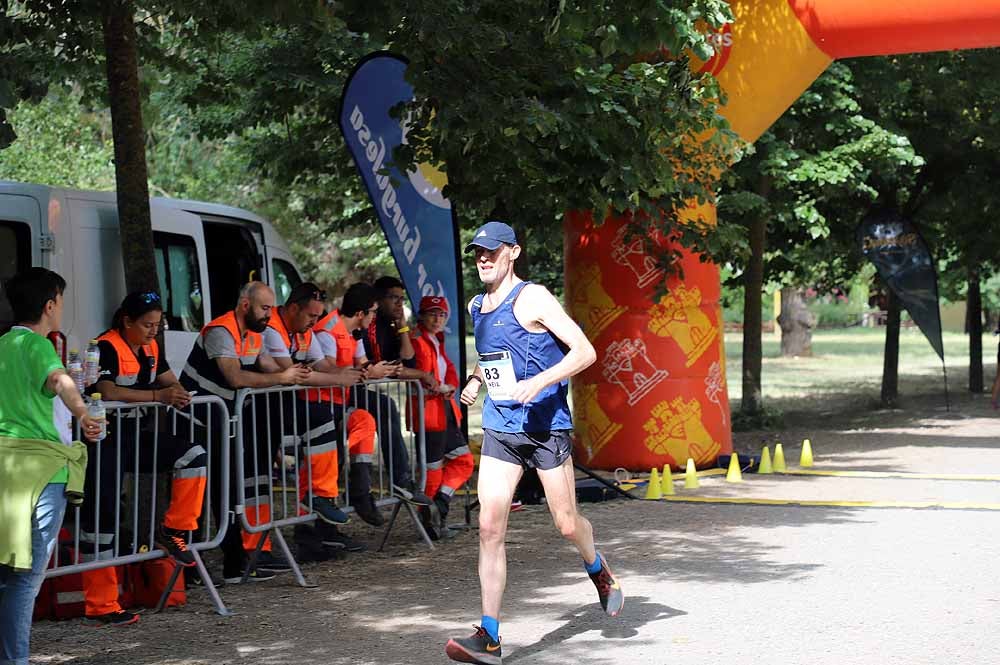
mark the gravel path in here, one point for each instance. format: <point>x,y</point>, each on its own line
<point>706,583</point>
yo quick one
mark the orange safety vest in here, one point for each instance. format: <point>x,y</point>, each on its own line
<point>346,347</point>
<point>203,373</point>
<point>302,340</point>
<point>128,361</point>
<point>426,359</point>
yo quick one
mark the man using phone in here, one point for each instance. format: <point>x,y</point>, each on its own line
<point>377,343</point>
<point>289,339</point>
<point>529,347</point>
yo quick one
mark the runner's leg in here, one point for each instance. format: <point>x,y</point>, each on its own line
<point>497,480</point>
<point>560,494</point>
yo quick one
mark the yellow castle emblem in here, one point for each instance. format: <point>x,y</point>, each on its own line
<point>590,304</point>
<point>676,429</point>
<point>679,316</point>
<point>593,427</point>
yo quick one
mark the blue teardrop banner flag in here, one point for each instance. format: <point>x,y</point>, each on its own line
<point>904,263</point>
<point>417,220</point>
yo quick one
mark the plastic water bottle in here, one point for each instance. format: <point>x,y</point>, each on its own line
<point>92,365</point>
<point>96,411</point>
<point>75,369</point>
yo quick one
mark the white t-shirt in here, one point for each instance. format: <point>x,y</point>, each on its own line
<point>275,347</point>
<point>328,343</point>
<point>442,368</point>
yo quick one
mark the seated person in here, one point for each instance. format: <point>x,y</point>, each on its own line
<point>449,462</point>
<point>289,339</point>
<point>134,368</point>
<point>226,357</point>
<point>387,339</point>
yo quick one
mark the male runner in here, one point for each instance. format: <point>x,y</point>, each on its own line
<point>528,348</point>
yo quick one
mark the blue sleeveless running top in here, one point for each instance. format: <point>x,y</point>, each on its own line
<point>531,354</point>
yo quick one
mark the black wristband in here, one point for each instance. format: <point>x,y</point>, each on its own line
<point>471,377</point>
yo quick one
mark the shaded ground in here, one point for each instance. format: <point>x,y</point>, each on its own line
<point>705,583</point>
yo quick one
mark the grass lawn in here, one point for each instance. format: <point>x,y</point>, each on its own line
<point>846,364</point>
<point>849,361</point>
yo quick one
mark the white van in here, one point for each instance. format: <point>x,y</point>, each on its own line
<point>75,233</point>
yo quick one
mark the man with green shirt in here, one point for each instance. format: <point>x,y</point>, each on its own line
<point>40,465</point>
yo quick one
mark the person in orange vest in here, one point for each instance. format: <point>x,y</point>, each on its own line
<point>449,462</point>
<point>351,325</point>
<point>290,339</point>
<point>133,368</point>
<point>338,334</point>
<point>226,356</point>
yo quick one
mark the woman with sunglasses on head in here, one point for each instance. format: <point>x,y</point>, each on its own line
<point>134,369</point>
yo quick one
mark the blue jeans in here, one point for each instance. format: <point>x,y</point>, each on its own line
<point>19,588</point>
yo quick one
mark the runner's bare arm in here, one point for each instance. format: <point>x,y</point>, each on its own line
<point>538,309</point>
<point>471,390</point>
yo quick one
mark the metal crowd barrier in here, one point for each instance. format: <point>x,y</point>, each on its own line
<point>408,422</point>
<point>269,432</point>
<point>135,431</point>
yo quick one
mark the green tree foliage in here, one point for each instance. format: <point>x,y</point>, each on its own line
<point>532,108</point>
<point>825,163</point>
<point>790,207</point>
<point>947,103</point>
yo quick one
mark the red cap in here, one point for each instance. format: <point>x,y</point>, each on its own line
<point>428,303</point>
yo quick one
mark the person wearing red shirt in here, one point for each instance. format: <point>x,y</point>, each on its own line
<point>449,461</point>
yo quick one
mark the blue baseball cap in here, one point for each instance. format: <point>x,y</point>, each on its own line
<point>491,235</point>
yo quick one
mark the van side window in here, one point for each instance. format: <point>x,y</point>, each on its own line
<point>180,281</point>
<point>15,255</point>
<point>286,278</point>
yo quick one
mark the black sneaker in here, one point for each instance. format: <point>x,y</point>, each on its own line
<point>410,495</point>
<point>119,618</point>
<point>193,578</point>
<point>309,547</point>
<point>327,510</point>
<point>431,521</point>
<point>331,537</point>
<point>364,506</point>
<point>255,576</point>
<point>608,590</point>
<point>269,562</point>
<point>479,648</point>
<point>174,542</point>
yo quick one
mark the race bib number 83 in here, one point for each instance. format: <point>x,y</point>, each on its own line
<point>498,375</point>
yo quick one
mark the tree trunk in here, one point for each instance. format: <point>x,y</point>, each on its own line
<point>131,178</point>
<point>753,350</point>
<point>796,322</point>
<point>890,366</point>
<point>974,325</point>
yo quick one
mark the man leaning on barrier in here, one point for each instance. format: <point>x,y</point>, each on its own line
<point>226,356</point>
<point>41,467</point>
<point>134,369</point>
<point>290,339</point>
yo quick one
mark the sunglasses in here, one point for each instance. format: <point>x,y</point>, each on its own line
<point>149,297</point>
<point>319,295</point>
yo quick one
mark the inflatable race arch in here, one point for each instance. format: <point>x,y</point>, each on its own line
<point>657,393</point>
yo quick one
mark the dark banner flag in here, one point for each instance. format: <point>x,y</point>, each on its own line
<point>416,218</point>
<point>904,262</point>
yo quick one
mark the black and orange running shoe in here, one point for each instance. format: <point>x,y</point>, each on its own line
<point>479,648</point>
<point>119,618</point>
<point>175,543</point>
<point>608,589</point>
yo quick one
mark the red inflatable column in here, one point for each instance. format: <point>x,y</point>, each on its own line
<point>657,393</point>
